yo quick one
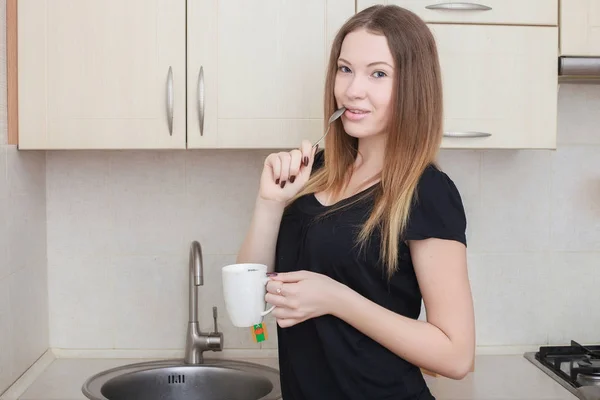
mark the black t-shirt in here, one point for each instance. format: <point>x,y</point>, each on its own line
<point>326,358</point>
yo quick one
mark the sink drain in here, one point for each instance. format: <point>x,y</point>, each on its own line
<point>176,379</point>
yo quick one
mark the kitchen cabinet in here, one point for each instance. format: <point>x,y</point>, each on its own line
<point>175,74</point>
<point>256,70</point>
<point>499,71</point>
<point>508,12</point>
<point>128,74</point>
<point>580,28</point>
<point>101,74</point>
<point>500,85</point>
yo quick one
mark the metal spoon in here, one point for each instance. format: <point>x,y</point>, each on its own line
<point>338,113</point>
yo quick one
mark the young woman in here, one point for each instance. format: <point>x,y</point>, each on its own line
<point>361,232</point>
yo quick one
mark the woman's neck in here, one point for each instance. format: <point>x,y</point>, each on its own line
<point>371,152</point>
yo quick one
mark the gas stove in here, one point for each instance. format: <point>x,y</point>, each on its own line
<point>575,367</point>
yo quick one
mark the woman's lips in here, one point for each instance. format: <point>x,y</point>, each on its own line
<point>355,115</point>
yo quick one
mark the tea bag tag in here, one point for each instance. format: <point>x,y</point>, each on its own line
<point>259,332</point>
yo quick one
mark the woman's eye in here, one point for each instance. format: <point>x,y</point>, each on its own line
<point>343,68</point>
<point>379,74</point>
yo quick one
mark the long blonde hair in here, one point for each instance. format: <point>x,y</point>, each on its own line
<point>414,132</point>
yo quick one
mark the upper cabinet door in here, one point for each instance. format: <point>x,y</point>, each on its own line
<point>101,74</point>
<point>256,70</point>
<point>517,12</point>
<point>500,85</point>
<point>580,28</point>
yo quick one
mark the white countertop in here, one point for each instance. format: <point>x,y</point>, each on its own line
<point>496,377</point>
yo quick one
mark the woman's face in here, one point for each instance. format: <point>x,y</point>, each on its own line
<point>364,83</point>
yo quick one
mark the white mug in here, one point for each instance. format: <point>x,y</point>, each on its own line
<point>244,289</point>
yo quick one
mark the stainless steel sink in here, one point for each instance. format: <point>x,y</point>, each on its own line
<point>176,380</point>
<point>193,377</point>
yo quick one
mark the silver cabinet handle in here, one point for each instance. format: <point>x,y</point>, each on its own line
<point>170,100</point>
<point>201,100</point>
<point>459,7</point>
<point>467,134</point>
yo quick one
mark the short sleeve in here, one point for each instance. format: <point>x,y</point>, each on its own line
<point>437,211</point>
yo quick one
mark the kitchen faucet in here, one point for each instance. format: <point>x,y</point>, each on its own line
<point>197,342</point>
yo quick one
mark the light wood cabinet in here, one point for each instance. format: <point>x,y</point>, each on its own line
<point>580,28</point>
<point>101,74</point>
<point>256,70</point>
<point>510,12</point>
<point>174,74</point>
<point>124,74</point>
<point>500,85</point>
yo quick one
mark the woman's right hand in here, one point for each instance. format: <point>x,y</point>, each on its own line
<point>285,174</point>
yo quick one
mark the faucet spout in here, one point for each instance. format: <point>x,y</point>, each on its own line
<point>196,341</point>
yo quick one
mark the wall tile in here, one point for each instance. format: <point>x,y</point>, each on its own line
<point>147,192</point>
<point>26,221</point>
<point>464,168</point>
<point>80,217</point>
<point>515,201</point>
<point>82,303</point>
<point>26,172</point>
<point>571,287</point>
<point>7,371</point>
<point>578,115</point>
<point>29,298</point>
<point>509,295</point>
<point>5,268</point>
<point>118,212</point>
<point>221,189</point>
<point>575,199</point>
<point>150,303</point>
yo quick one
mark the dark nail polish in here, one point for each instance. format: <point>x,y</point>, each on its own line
<point>277,181</point>
<point>271,273</point>
<point>282,184</point>
<point>292,178</point>
<point>306,161</point>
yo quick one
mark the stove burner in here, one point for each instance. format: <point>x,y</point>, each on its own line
<point>575,367</point>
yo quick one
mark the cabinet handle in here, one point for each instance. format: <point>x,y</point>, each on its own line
<point>201,100</point>
<point>459,7</point>
<point>467,134</point>
<point>170,100</point>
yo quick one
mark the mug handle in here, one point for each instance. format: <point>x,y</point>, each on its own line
<point>262,314</point>
<point>265,281</point>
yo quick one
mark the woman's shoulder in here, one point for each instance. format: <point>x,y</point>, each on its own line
<point>437,210</point>
<point>434,181</point>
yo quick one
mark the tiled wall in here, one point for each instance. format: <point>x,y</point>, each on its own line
<point>23,273</point>
<point>120,224</point>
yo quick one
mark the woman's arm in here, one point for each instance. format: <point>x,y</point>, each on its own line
<point>259,244</point>
<point>444,344</point>
<point>284,175</point>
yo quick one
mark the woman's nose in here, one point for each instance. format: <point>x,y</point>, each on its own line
<point>356,88</point>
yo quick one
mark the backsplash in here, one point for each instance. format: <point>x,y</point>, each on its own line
<point>23,278</point>
<point>120,224</point>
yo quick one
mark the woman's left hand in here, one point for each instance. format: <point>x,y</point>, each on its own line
<point>302,295</point>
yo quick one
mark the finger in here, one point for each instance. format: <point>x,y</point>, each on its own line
<point>295,161</point>
<point>287,322</point>
<point>311,160</point>
<point>275,287</point>
<point>275,300</point>
<point>286,313</point>
<point>307,152</point>
<point>285,168</point>
<point>290,277</point>
<point>275,163</point>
